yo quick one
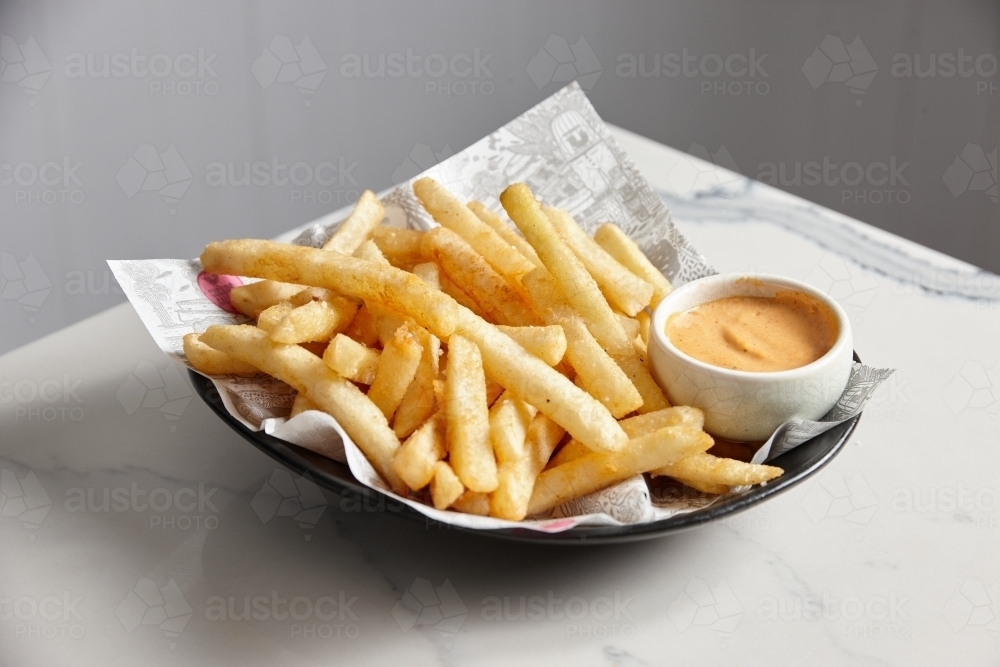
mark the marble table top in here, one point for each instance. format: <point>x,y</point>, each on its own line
<point>138,529</point>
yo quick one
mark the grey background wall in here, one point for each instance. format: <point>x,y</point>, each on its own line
<point>126,129</point>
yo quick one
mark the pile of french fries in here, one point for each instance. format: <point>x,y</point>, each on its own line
<point>480,369</point>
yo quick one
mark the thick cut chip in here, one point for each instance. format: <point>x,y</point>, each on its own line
<point>428,272</point>
<point>506,232</point>
<point>472,273</point>
<point>452,214</point>
<point>300,405</point>
<point>622,288</point>
<point>456,293</point>
<point>351,359</point>
<point>465,407</point>
<point>357,415</point>
<point>396,367</point>
<point>419,402</point>
<point>644,321</point>
<point>349,276</point>
<point>473,502</point>
<point>359,225</point>
<point>271,317</point>
<point>362,328</point>
<point>617,243</point>
<point>446,488</point>
<point>710,469</point>
<point>210,361</point>
<point>251,300</point>
<point>414,462</point>
<point>640,425</point>
<point>599,470</point>
<point>402,247</point>
<point>315,321</point>
<point>548,343</point>
<point>531,380</point>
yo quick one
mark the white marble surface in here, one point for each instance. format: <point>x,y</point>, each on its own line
<point>887,557</point>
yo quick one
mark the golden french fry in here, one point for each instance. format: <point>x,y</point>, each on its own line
<point>315,321</point>
<point>531,380</point>
<point>597,373</point>
<point>505,231</point>
<point>400,246</point>
<point>644,320</point>
<point>396,367</point>
<point>349,276</point>
<point>210,361</point>
<point>622,288</point>
<point>271,317</point>
<point>362,328</point>
<point>359,225</point>
<point>571,450</point>
<point>300,405</point>
<point>357,415</point>
<point>630,326</point>
<point>598,470</point>
<point>456,293</point>
<point>351,359</point>
<point>493,391</point>
<point>428,272</point>
<point>414,462</point>
<point>473,502</point>
<point>419,401</point>
<point>548,343</point>
<point>449,212</point>
<point>467,268</point>
<point>610,237</point>
<point>709,469</point>
<point>638,426</point>
<point>467,416</point>
<point>637,371</point>
<point>446,488</point>
<point>251,300</point>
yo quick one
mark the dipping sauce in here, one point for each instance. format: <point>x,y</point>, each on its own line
<point>756,333</point>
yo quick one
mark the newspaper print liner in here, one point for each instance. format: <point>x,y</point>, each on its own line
<point>566,154</point>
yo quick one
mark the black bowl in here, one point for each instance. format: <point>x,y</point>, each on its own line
<point>799,464</point>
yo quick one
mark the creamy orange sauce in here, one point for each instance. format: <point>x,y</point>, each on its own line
<point>755,333</point>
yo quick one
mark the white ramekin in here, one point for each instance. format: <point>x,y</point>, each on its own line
<point>743,405</point>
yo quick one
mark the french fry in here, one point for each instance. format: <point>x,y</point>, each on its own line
<point>400,246</point>
<point>428,272</point>
<point>414,462</point>
<point>271,317</point>
<point>493,391</point>
<point>622,288</point>
<point>251,300</point>
<point>455,292</point>
<point>359,225</point>
<point>548,343</point>
<point>210,361</point>
<point>466,267</point>
<point>446,488</point>
<point>708,469</point>
<point>357,415</point>
<point>396,367</point>
<point>472,502</point>
<point>630,326</point>
<point>351,359</point>
<point>300,405</point>
<point>349,276</point>
<point>315,321</point>
<point>638,426</point>
<point>452,214</point>
<point>531,380</point>
<point>597,373</point>
<point>505,231</point>
<point>571,450</point>
<point>467,416</point>
<point>362,328</point>
<point>610,237</point>
<point>644,320</point>
<point>419,401</point>
<point>599,470</point>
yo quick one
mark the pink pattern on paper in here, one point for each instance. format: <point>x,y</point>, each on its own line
<point>217,288</point>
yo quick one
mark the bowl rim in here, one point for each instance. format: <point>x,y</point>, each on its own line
<point>659,338</point>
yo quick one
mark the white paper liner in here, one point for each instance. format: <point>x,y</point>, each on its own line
<point>566,154</point>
